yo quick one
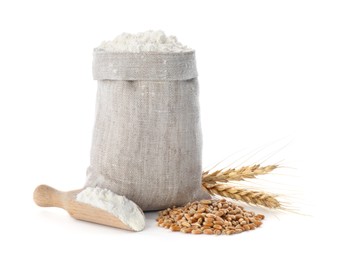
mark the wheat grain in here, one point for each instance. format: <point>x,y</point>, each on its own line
<point>220,217</point>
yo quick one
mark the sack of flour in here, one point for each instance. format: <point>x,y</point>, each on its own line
<point>147,136</point>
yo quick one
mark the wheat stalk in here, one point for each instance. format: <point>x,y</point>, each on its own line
<point>249,196</point>
<point>232,174</point>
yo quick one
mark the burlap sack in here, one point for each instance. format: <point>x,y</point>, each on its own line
<point>147,137</point>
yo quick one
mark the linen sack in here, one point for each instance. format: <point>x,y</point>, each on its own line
<point>147,136</point>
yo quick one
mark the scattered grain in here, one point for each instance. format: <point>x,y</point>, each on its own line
<point>209,217</point>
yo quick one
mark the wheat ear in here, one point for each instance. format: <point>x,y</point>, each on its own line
<point>251,197</point>
<point>232,174</point>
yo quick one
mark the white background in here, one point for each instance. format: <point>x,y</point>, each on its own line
<point>268,70</point>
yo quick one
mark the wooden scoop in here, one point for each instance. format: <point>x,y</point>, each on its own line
<point>45,196</point>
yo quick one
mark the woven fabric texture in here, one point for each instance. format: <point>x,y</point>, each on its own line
<point>147,136</point>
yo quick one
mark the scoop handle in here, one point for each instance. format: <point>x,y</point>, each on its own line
<point>46,196</point>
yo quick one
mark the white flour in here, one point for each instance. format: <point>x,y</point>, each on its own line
<point>149,41</point>
<point>124,209</point>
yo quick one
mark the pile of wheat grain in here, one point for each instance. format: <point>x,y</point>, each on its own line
<point>209,217</point>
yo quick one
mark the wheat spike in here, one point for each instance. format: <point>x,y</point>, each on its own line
<point>251,197</point>
<point>232,174</point>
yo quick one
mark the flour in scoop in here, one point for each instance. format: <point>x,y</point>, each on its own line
<point>119,206</point>
<point>149,41</point>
